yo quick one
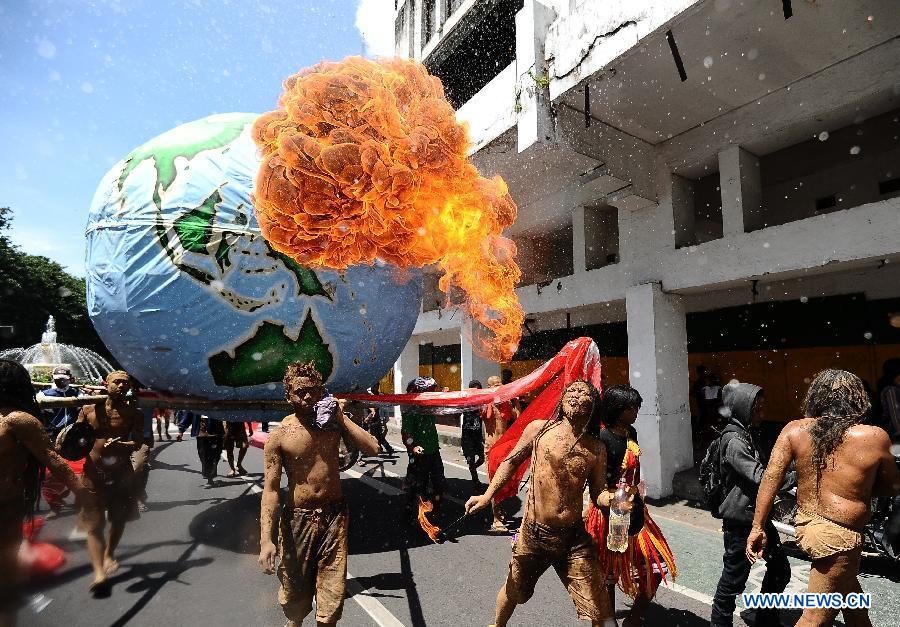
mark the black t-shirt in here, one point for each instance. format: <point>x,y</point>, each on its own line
<point>616,447</point>
<point>471,420</point>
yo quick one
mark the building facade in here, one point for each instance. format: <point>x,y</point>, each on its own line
<point>710,182</point>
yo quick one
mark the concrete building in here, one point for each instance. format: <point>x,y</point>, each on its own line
<point>689,175</point>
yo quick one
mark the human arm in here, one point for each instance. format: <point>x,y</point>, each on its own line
<point>269,502</point>
<point>29,431</point>
<point>887,479</point>
<point>508,466</point>
<point>599,491</point>
<point>356,436</point>
<point>781,458</point>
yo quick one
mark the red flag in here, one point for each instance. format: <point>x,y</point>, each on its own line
<point>579,359</point>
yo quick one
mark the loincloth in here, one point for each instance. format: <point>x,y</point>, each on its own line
<point>570,551</point>
<point>820,537</point>
<point>313,547</point>
<point>113,491</point>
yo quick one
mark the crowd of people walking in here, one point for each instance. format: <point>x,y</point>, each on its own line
<point>589,444</point>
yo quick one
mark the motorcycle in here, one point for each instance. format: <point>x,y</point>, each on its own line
<point>882,533</point>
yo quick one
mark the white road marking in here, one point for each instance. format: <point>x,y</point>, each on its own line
<point>77,534</point>
<point>454,464</point>
<point>378,485</point>
<point>691,594</point>
<point>371,606</point>
<point>388,489</point>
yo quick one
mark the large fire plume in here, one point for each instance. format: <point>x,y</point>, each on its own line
<point>363,162</point>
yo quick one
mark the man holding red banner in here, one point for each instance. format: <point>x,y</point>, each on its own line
<point>566,454</point>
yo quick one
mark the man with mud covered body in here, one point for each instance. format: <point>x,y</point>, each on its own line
<point>109,474</point>
<point>313,525</point>
<point>841,465</point>
<point>24,448</point>
<point>566,455</point>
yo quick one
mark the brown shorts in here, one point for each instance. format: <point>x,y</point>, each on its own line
<point>313,547</point>
<point>235,435</point>
<point>820,537</point>
<point>114,492</point>
<point>572,554</point>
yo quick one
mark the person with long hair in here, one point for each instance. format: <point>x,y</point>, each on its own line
<point>25,450</point>
<point>841,465</point>
<point>566,455</point>
<point>638,570</point>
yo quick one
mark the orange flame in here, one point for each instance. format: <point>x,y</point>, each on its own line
<point>364,161</point>
<point>427,526</point>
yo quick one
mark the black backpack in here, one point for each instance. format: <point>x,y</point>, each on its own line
<point>712,479</point>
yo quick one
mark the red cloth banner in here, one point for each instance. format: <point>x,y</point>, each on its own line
<point>579,359</point>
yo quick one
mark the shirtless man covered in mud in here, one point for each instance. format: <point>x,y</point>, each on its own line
<point>312,537</point>
<point>24,448</point>
<point>109,475</point>
<point>841,465</point>
<point>566,455</point>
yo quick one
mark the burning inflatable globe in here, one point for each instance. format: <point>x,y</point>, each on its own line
<point>190,297</point>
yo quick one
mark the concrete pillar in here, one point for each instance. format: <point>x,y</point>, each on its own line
<point>471,364</point>
<point>683,211</point>
<point>657,358</point>
<point>406,368</point>
<point>741,187</point>
<point>579,251</point>
<point>533,90</point>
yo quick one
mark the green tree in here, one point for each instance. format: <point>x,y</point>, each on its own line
<point>32,288</point>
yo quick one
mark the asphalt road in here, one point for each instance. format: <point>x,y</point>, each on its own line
<point>191,560</point>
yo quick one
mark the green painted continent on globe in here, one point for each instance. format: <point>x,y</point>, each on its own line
<point>265,356</point>
<point>201,231</point>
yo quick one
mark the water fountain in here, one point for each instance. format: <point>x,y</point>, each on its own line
<point>86,365</point>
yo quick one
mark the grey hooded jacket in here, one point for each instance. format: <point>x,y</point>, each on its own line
<point>742,469</point>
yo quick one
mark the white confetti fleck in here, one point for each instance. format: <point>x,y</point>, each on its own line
<point>855,150</point>
<point>823,136</point>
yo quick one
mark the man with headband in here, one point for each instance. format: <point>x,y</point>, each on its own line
<point>109,475</point>
<point>312,536</point>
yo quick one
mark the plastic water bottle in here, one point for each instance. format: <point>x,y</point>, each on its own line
<point>619,520</point>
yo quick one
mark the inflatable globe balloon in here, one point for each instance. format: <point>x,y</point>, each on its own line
<point>189,297</point>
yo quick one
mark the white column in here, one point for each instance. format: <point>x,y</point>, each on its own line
<point>683,211</point>
<point>472,365</point>
<point>741,188</point>
<point>657,359</point>
<point>405,370</point>
<point>579,252</point>
<point>533,90</point>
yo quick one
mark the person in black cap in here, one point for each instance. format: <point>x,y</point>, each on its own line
<point>426,468</point>
<point>472,437</point>
<point>53,489</point>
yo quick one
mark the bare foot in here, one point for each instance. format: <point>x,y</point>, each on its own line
<point>99,585</point>
<point>499,527</point>
<point>231,473</point>
<point>110,565</point>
